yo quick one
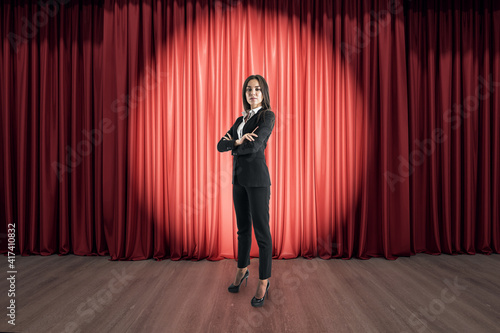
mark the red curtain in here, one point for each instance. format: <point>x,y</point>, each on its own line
<point>386,140</point>
<point>454,125</point>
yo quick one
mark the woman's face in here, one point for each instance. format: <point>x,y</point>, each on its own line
<point>254,94</point>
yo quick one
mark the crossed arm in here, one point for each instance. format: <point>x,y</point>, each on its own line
<point>249,142</point>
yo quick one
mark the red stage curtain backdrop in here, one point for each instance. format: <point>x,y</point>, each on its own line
<point>386,140</point>
<point>454,90</point>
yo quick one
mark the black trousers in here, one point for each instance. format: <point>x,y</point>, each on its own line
<point>252,203</point>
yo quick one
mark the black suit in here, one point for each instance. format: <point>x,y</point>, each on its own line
<point>249,162</point>
<point>252,189</point>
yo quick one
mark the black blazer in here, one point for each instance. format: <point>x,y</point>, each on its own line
<point>249,161</point>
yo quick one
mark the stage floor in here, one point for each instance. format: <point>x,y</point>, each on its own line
<point>422,293</point>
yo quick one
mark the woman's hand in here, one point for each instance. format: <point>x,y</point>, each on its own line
<point>227,137</point>
<point>246,136</point>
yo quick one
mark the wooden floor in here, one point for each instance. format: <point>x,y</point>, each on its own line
<point>422,293</point>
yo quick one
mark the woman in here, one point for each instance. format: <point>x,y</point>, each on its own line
<point>247,140</point>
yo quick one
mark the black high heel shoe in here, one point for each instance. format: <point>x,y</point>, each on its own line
<point>258,302</point>
<point>234,289</point>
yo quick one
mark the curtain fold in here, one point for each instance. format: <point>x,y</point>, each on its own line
<point>386,142</point>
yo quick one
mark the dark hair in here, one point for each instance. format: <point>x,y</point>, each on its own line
<point>266,101</point>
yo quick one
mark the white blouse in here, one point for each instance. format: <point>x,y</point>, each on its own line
<point>244,113</point>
